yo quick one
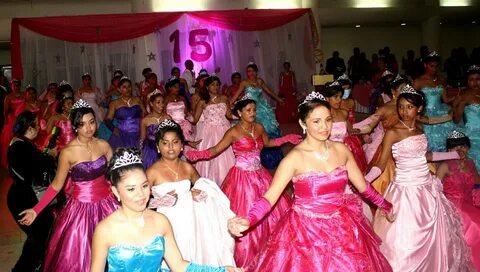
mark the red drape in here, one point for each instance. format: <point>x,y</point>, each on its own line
<point>118,27</point>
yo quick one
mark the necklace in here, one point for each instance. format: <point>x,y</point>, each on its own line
<point>89,150</point>
<point>173,171</point>
<point>322,156</point>
<point>251,133</point>
<point>213,99</point>
<point>126,101</point>
<point>405,125</point>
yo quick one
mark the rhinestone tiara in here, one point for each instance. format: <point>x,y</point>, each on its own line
<point>126,159</point>
<point>166,123</point>
<point>155,92</point>
<point>410,90</point>
<point>397,78</point>
<point>456,135</point>
<point>433,54</point>
<point>387,73</point>
<point>313,96</point>
<point>64,82</point>
<point>343,77</point>
<point>80,104</point>
<point>245,97</point>
<point>473,68</point>
<point>124,77</point>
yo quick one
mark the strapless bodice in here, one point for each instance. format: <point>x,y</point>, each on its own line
<point>151,129</point>
<point>322,194</point>
<point>66,132</point>
<point>247,153</point>
<point>89,170</point>
<point>180,187</point>
<point>129,118</point>
<point>458,186</point>
<point>434,105</point>
<point>254,92</point>
<point>89,182</point>
<point>214,114</point>
<point>410,160</point>
<point>472,117</point>
<point>176,110</point>
<point>338,132</point>
<point>128,258</point>
<point>89,97</point>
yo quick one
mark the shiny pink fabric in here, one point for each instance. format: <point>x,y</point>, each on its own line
<point>324,231</point>
<point>458,187</point>
<point>245,183</point>
<point>66,133</point>
<point>339,134</point>
<point>427,234</point>
<point>176,110</point>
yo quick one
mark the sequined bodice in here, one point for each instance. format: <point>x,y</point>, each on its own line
<point>247,153</point>
<point>434,105</point>
<point>89,170</point>
<point>458,185</point>
<point>177,111</point>
<point>339,131</point>
<point>151,129</point>
<point>129,258</point>
<point>472,117</point>
<point>254,92</point>
<point>214,114</point>
<point>410,160</point>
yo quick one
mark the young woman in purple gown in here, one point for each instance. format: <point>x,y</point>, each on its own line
<point>84,162</point>
<point>325,229</point>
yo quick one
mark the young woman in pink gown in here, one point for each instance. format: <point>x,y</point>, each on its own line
<point>84,162</point>
<point>427,233</point>
<point>61,120</point>
<point>324,230</point>
<point>459,178</point>
<point>14,104</point>
<point>177,108</point>
<point>213,110</point>
<point>248,180</point>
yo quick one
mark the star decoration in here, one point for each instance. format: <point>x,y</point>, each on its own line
<point>289,36</point>
<point>151,57</point>
<point>256,43</point>
<point>58,58</point>
<point>110,67</point>
<point>134,48</point>
<point>82,49</point>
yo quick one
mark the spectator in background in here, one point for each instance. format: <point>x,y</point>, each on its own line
<point>453,68</point>
<point>390,60</point>
<point>334,63</point>
<point>355,66</point>
<point>408,64</point>
<point>418,71</point>
<point>475,57</point>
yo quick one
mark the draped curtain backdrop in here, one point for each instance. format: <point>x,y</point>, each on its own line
<point>58,48</point>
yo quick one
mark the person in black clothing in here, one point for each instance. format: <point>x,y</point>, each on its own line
<point>28,167</point>
<point>335,63</point>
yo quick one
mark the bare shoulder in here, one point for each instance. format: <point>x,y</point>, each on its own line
<point>259,127</point>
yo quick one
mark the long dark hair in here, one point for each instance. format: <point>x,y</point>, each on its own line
<point>204,94</point>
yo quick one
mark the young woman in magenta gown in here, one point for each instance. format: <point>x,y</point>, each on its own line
<point>84,161</point>
<point>325,229</point>
<point>248,180</point>
<point>427,234</point>
<point>134,238</point>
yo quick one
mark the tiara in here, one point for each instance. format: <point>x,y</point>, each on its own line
<point>473,68</point>
<point>245,97</point>
<point>155,92</point>
<point>85,74</point>
<point>203,72</point>
<point>335,83</point>
<point>456,135</point>
<point>80,104</point>
<point>397,78</point>
<point>166,123</point>
<point>387,73</point>
<point>124,77</point>
<point>126,159</point>
<point>343,77</point>
<point>29,86</point>
<point>64,82</point>
<point>314,96</point>
<point>251,63</point>
<point>410,90</point>
<point>433,54</point>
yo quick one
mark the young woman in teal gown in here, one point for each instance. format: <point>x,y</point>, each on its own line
<point>134,238</point>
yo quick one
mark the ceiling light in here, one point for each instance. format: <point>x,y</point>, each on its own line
<point>403,24</point>
<point>456,3</point>
<point>372,3</point>
<point>474,22</point>
<point>357,26</point>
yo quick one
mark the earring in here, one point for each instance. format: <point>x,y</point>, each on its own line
<point>304,130</point>
<point>118,198</point>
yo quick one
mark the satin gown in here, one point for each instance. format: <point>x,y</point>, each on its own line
<point>146,258</point>
<point>200,228</point>
<point>472,130</point>
<point>149,147</point>
<point>288,112</point>
<point>271,156</point>
<point>458,187</point>
<point>66,133</point>
<point>427,233</point>
<point>16,106</point>
<point>323,231</point>
<point>211,130</point>
<point>128,119</point>
<point>244,184</point>
<point>90,201</point>
<point>436,134</point>
<point>381,183</point>
<point>339,134</point>
<point>176,110</point>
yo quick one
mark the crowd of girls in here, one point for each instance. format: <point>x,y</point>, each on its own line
<point>179,179</point>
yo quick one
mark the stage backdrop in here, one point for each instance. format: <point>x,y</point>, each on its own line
<point>58,48</point>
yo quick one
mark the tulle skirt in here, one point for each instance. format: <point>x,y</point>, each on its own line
<point>243,188</point>
<point>308,241</point>
<point>126,139</point>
